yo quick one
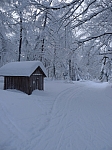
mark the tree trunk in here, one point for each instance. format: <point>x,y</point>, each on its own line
<point>54,61</point>
<point>70,69</point>
<point>20,39</point>
<point>43,40</point>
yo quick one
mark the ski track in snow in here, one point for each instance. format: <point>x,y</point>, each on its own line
<point>62,114</point>
<point>73,121</point>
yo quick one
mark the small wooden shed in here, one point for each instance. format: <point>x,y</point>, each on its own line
<point>25,76</point>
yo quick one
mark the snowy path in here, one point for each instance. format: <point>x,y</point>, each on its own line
<point>74,124</point>
<point>64,117</point>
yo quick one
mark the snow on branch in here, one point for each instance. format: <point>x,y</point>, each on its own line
<point>80,22</point>
<point>82,13</point>
<point>64,5</point>
<point>93,37</point>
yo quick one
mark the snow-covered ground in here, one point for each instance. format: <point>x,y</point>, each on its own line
<point>66,116</point>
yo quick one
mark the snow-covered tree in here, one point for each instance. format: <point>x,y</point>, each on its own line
<point>69,37</point>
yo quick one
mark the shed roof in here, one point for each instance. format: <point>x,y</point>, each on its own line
<point>23,68</point>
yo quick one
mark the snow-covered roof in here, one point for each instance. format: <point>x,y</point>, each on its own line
<point>23,68</point>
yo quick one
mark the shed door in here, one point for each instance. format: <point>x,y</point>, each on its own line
<point>35,83</point>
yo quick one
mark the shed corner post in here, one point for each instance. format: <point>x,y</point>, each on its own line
<point>4,83</point>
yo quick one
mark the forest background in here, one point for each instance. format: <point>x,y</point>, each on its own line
<point>72,38</point>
